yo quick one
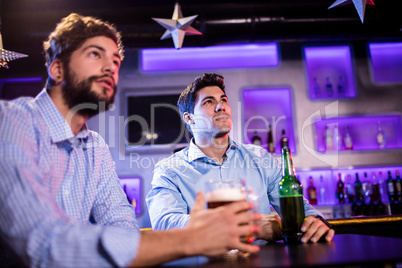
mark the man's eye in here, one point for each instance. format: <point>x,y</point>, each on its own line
<point>94,54</point>
<point>224,100</point>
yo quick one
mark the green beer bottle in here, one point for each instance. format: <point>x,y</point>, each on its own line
<point>290,200</point>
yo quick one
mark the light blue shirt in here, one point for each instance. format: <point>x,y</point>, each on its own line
<point>177,179</point>
<point>53,183</point>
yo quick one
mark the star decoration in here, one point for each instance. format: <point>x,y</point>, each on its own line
<point>360,5</point>
<point>7,55</point>
<point>177,27</point>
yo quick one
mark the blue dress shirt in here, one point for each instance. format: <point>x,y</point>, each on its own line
<point>53,185</point>
<point>177,179</point>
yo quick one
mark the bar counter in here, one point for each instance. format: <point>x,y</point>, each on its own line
<point>358,242</point>
<point>390,226</point>
<point>346,250</point>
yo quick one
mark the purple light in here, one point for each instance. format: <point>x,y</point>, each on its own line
<point>214,57</point>
<point>332,62</point>
<point>363,130</point>
<point>132,188</point>
<point>265,106</point>
<point>386,59</point>
<point>21,80</point>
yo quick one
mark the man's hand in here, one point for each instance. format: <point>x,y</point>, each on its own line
<point>313,229</point>
<point>215,231</point>
<point>271,227</point>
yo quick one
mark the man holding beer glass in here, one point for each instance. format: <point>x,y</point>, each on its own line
<point>211,154</point>
<point>224,192</point>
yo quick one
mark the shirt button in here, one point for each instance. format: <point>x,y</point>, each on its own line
<point>66,192</point>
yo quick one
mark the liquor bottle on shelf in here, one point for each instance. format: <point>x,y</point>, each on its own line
<point>373,208</point>
<point>270,140</point>
<point>337,139</point>
<point>341,86</point>
<point>290,199</point>
<point>365,209</point>
<point>312,192</point>
<point>284,140</point>
<point>323,199</point>
<point>340,190</point>
<point>391,188</point>
<point>350,189</point>
<point>356,209</point>
<point>316,88</point>
<point>329,140</point>
<point>383,187</point>
<point>394,207</point>
<point>256,140</point>
<point>366,186</point>
<point>380,136</point>
<point>347,139</point>
<point>328,87</point>
<point>375,189</point>
<point>358,190</point>
<point>381,208</point>
<point>398,186</point>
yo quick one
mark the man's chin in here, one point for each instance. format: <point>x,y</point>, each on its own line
<point>222,132</point>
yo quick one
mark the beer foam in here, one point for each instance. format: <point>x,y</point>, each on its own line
<point>226,194</point>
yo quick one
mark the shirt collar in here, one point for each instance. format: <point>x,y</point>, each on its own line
<point>56,123</point>
<point>195,153</point>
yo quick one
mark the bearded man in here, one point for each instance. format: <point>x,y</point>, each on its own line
<point>61,200</point>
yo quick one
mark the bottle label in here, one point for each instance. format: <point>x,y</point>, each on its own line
<point>313,194</point>
<point>391,188</point>
<point>398,186</point>
<point>348,142</point>
<point>257,142</point>
<point>271,147</point>
<point>380,139</point>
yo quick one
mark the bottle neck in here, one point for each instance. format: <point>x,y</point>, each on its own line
<point>288,169</point>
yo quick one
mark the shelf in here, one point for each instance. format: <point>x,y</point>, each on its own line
<point>386,62</point>
<point>363,131</point>
<point>264,106</point>
<point>329,65</point>
<point>330,178</point>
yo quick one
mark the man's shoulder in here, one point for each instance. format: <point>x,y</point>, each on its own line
<point>96,140</point>
<point>23,105</point>
<point>20,123</point>
<point>19,112</point>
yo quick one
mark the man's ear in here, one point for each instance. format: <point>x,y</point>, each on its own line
<point>188,118</point>
<point>56,71</point>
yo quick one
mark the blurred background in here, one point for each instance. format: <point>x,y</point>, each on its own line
<point>287,46</point>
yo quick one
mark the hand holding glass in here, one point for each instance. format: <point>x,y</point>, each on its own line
<point>223,192</point>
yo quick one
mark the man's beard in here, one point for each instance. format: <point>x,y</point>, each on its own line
<point>81,99</point>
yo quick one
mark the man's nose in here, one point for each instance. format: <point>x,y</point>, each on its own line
<point>109,66</point>
<point>220,107</point>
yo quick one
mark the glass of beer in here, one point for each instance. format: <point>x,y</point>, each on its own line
<point>223,192</point>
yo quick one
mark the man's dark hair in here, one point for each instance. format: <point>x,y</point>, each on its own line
<point>188,97</point>
<point>71,33</point>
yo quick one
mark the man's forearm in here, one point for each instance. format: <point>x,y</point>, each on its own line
<point>158,247</point>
